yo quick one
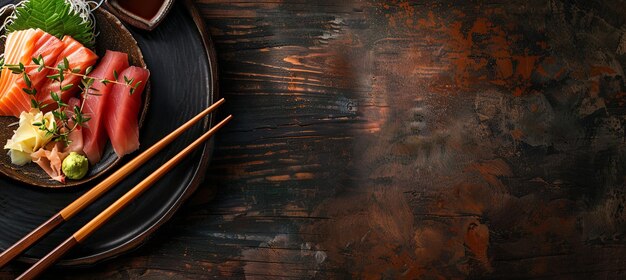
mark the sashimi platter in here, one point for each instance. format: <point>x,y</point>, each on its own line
<point>94,108</point>
<point>73,90</point>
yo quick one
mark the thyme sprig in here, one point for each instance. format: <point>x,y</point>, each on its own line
<point>64,69</point>
<point>60,133</point>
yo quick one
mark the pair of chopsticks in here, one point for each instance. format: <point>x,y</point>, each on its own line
<point>97,191</point>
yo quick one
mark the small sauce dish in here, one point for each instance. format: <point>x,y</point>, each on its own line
<point>143,14</point>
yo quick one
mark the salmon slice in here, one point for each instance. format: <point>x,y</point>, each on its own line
<point>94,133</point>
<point>19,44</point>
<point>79,57</point>
<point>122,111</point>
<point>28,44</point>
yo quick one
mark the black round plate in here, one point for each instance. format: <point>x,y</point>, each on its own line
<point>183,78</point>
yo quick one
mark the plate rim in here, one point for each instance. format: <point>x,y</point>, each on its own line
<point>198,175</point>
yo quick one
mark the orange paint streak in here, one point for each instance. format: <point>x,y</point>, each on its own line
<point>601,70</point>
<point>278,178</point>
<point>505,69</point>
<point>517,134</point>
<point>428,22</point>
<point>293,60</point>
<point>525,66</point>
<point>491,170</point>
<point>477,241</point>
<point>304,176</point>
<point>482,55</point>
<point>595,88</point>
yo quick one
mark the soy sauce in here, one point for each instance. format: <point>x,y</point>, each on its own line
<point>146,9</point>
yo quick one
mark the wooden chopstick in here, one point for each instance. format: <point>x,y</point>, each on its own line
<point>80,235</point>
<point>86,199</point>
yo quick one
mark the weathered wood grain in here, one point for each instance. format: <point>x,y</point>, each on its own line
<point>404,139</point>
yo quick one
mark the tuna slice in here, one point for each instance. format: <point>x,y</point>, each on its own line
<point>94,133</point>
<point>21,47</point>
<point>122,110</point>
<point>79,57</point>
<point>69,111</point>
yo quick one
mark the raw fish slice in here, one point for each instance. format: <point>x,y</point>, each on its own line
<point>49,47</point>
<point>94,133</point>
<point>19,44</point>
<point>69,110</point>
<point>76,142</point>
<point>76,136</point>
<point>122,111</point>
<point>14,100</point>
<point>79,57</point>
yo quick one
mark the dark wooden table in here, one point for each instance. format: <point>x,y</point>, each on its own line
<point>406,139</point>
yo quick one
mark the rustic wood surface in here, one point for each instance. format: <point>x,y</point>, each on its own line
<point>406,140</point>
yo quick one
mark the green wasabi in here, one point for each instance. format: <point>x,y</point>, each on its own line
<point>75,166</point>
